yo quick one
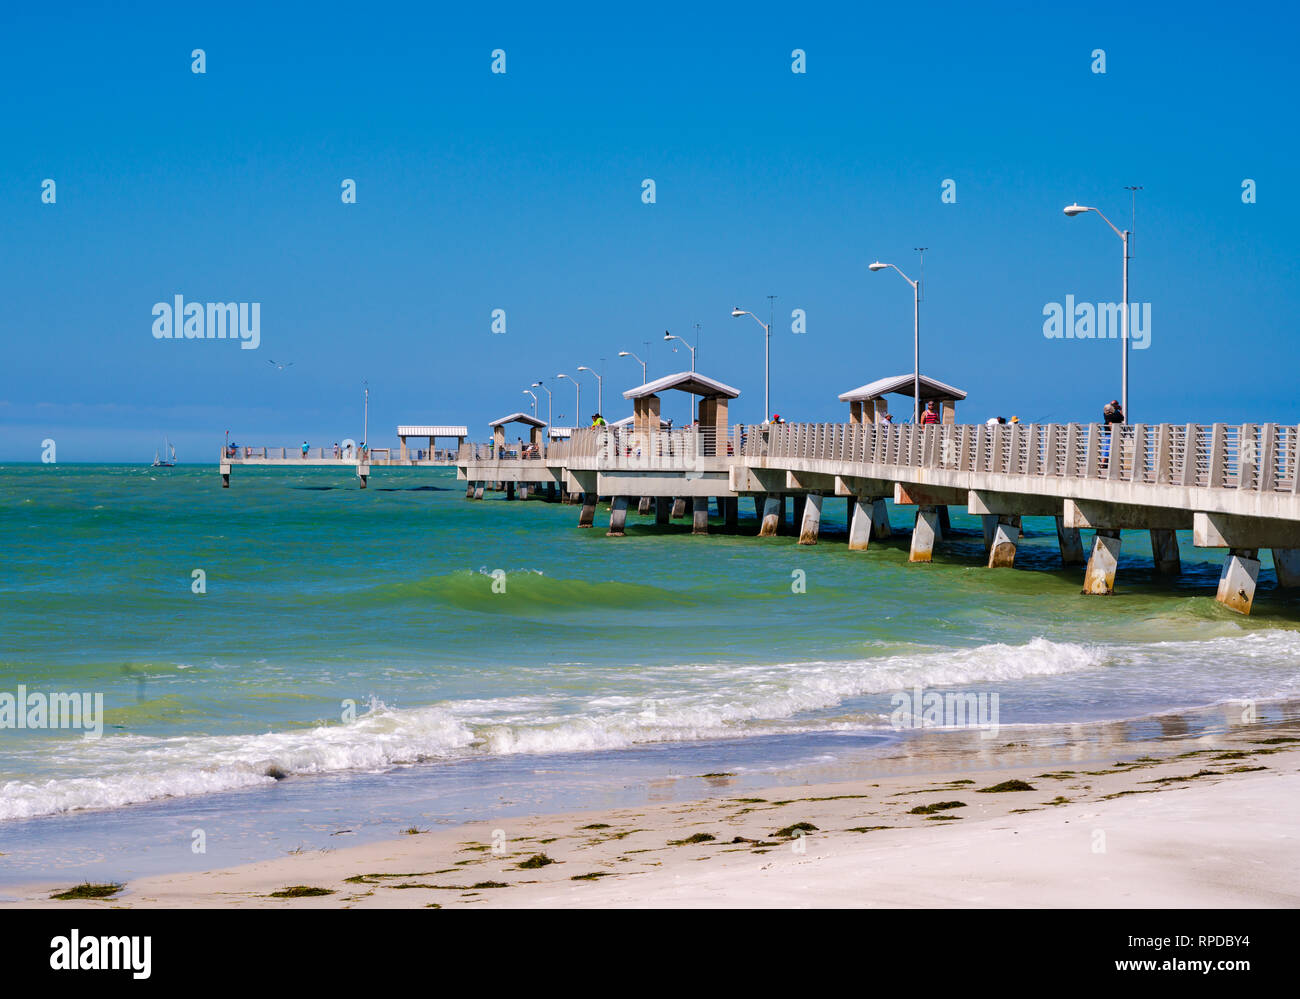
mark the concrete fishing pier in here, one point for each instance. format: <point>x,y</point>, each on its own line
<point>1236,488</point>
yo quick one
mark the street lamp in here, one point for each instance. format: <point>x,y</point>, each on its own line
<point>526,392</point>
<point>548,401</point>
<point>736,313</point>
<point>600,388</point>
<point>577,411</point>
<point>916,338</point>
<point>628,353</point>
<point>671,336</point>
<point>1077,209</point>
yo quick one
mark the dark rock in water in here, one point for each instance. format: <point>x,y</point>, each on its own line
<point>276,773</point>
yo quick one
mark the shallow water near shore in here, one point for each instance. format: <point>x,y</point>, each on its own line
<point>352,641</point>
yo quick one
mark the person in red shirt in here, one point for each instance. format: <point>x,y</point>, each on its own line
<point>930,414</point>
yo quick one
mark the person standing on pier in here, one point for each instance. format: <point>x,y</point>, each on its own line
<point>931,415</point>
<point>304,449</point>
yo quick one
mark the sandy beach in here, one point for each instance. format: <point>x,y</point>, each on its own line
<point>1207,821</point>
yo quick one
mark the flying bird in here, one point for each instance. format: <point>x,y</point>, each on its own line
<point>280,367</point>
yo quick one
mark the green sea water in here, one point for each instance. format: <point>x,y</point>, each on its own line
<point>347,631</point>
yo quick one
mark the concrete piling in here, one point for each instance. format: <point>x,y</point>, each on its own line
<point>1164,550</point>
<point>1287,563</point>
<point>731,513</point>
<point>796,521</point>
<point>617,516</point>
<point>1006,534</point>
<point>643,507</point>
<point>700,515</point>
<point>771,516</point>
<point>663,507</point>
<point>880,520</point>
<point>989,522</point>
<point>679,508</point>
<point>1238,579</point>
<point>810,524</point>
<point>1099,577</point>
<point>1070,543</point>
<point>925,534</point>
<point>859,523</point>
<point>587,516</point>
<point>478,489</point>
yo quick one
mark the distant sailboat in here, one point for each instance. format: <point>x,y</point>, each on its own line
<point>158,462</point>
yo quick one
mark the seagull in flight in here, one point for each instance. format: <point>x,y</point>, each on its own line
<point>280,367</point>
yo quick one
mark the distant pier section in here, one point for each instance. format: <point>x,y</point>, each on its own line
<point>349,454</point>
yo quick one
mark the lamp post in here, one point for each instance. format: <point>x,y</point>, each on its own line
<point>527,392</point>
<point>600,388</point>
<point>1077,209</point>
<point>548,401</point>
<point>916,337</point>
<point>365,426</point>
<point>628,353</point>
<point>577,410</point>
<point>672,336</point>
<point>736,313</point>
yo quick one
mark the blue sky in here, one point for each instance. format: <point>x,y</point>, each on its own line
<point>478,191</point>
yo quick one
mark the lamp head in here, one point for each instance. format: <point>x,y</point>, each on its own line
<point>583,367</point>
<point>877,266</point>
<point>667,335</point>
<point>1076,209</point>
<point>623,353</point>
<point>737,312</point>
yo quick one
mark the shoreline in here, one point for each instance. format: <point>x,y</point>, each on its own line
<point>1191,820</point>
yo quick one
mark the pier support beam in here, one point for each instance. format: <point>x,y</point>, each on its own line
<point>225,477</point>
<point>679,508</point>
<point>860,511</point>
<point>700,518</point>
<point>1071,544</point>
<point>1164,550</point>
<point>989,521</point>
<point>478,490</point>
<point>1287,563</point>
<point>945,524</point>
<point>732,511</point>
<point>1099,577</point>
<point>663,507</point>
<point>759,500</point>
<point>880,520</point>
<point>617,516</point>
<point>643,507</point>
<point>772,504</point>
<point>1006,534</point>
<point>796,520</point>
<point>510,490</point>
<point>469,488</point>
<point>925,534</point>
<point>810,524</point>
<point>1238,579</point>
<point>587,516</point>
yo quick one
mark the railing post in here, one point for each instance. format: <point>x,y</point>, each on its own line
<point>1247,457</point>
<point>1092,459</point>
<point>1218,454</point>
<point>1164,454</point>
<point>1267,478</point>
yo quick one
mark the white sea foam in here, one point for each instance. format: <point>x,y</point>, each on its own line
<point>623,708</point>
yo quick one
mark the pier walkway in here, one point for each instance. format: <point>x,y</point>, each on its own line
<point>1234,487</point>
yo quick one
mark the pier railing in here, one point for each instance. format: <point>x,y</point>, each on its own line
<point>1257,457</point>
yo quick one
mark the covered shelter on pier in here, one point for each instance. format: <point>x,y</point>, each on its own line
<point>433,432</point>
<point>867,403</point>
<point>711,412</point>
<point>533,423</point>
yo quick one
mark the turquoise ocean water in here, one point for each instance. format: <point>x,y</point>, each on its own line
<point>606,661</point>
